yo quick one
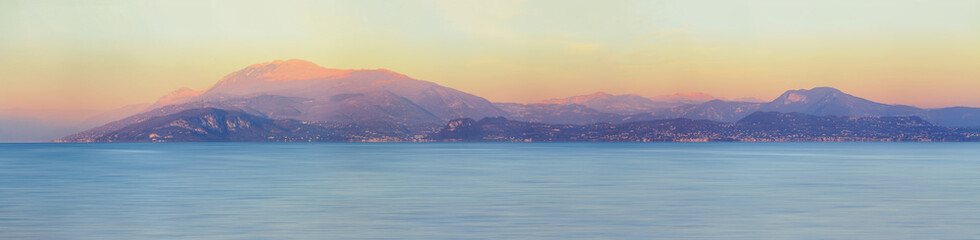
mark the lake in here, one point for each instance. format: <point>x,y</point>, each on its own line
<point>490,191</point>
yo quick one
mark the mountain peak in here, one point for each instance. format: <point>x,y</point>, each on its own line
<point>824,89</point>
<point>285,62</point>
<point>822,101</point>
<point>284,70</point>
<point>818,91</point>
<point>809,95</point>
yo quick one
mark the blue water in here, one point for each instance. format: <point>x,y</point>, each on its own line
<point>491,191</point>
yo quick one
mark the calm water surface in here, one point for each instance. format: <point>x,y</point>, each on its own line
<point>491,191</point>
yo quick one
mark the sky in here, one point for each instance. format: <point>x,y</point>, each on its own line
<point>107,54</point>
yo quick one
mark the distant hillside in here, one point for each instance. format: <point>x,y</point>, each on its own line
<point>218,125</point>
<point>775,126</point>
<point>619,104</point>
<point>558,113</point>
<point>759,126</point>
<point>215,125</point>
<point>715,110</point>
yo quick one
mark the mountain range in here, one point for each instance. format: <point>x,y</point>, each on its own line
<point>358,105</point>
<point>300,90</point>
<point>820,101</point>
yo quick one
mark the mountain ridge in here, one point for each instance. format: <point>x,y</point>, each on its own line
<point>301,90</point>
<point>213,124</point>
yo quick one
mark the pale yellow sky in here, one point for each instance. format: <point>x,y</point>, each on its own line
<point>106,54</point>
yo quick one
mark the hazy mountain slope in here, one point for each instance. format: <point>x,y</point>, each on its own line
<point>219,125</point>
<point>558,113</point>
<point>715,110</point>
<point>179,96</point>
<point>298,78</point>
<point>955,116</point>
<point>216,125</point>
<point>280,106</point>
<point>113,115</point>
<point>619,104</point>
<point>342,109</point>
<point>678,99</point>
